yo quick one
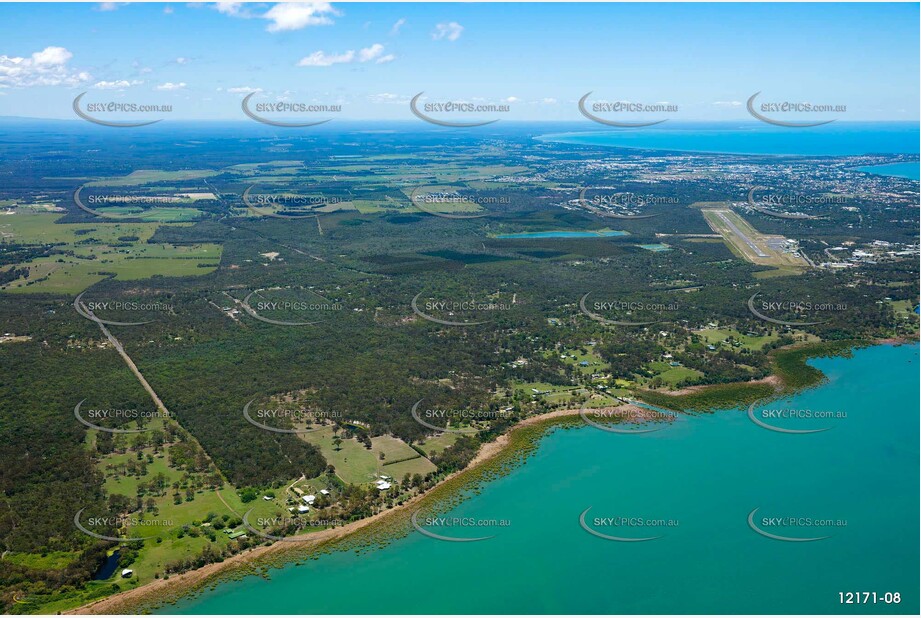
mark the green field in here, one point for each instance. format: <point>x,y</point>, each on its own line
<point>98,247</point>
<point>356,464</point>
<point>143,177</point>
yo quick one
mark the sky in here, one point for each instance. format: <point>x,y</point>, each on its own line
<point>704,61</point>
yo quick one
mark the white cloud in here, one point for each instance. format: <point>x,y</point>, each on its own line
<point>168,10</point>
<point>370,53</point>
<point>322,59</point>
<point>728,103</point>
<point>451,31</point>
<point>52,56</point>
<point>117,84</point>
<point>235,9</point>
<point>296,15</point>
<point>388,97</point>
<point>110,6</point>
<point>171,86</point>
<point>243,90</point>
<point>548,101</point>
<point>511,100</point>
<point>43,68</point>
<point>395,29</point>
<point>374,53</point>
<point>181,60</point>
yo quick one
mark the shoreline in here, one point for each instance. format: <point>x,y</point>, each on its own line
<point>126,601</point>
<point>122,602</point>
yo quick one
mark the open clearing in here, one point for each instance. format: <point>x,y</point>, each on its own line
<point>95,249</point>
<point>356,464</point>
<point>749,243</point>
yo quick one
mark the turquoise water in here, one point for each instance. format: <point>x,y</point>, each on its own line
<point>563,234</point>
<point>911,170</point>
<point>655,247</point>
<point>836,139</point>
<point>707,472</point>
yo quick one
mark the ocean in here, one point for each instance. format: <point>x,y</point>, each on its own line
<point>694,484</point>
<point>835,139</point>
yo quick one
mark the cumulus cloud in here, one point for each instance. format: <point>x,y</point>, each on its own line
<point>110,6</point>
<point>322,59</point>
<point>47,67</point>
<point>388,97</point>
<point>297,15</point>
<point>242,90</point>
<point>374,53</point>
<point>235,9</point>
<point>371,53</point>
<point>171,86</point>
<point>284,16</point>
<point>450,30</point>
<point>117,84</point>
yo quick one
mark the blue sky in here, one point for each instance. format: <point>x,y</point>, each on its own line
<point>539,59</point>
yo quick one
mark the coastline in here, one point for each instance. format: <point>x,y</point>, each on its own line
<point>128,600</point>
<point>163,590</point>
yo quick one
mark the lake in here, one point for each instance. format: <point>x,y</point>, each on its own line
<point>835,139</point>
<point>706,473</point>
<point>564,234</point>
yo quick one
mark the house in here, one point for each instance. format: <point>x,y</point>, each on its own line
<point>267,498</point>
<point>383,485</point>
<point>127,572</point>
<point>298,491</point>
<point>325,492</point>
<point>309,499</point>
<point>303,508</point>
